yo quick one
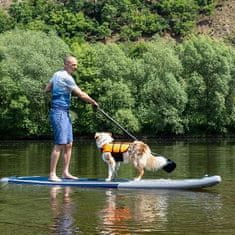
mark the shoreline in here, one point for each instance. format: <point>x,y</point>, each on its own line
<point>124,137</point>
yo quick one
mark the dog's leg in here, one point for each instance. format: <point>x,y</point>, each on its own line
<point>111,165</point>
<point>117,168</point>
<point>111,170</point>
<point>141,173</point>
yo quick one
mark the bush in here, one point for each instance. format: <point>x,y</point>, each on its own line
<point>97,20</point>
<point>6,22</point>
<point>180,15</point>
<point>103,72</point>
<point>129,86</point>
<point>29,59</point>
<point>208,67</point>
<point>162,93</point>
<point>206,6</point>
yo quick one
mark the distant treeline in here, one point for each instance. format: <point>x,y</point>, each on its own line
<point>119,20</point>
<point>150,87</point>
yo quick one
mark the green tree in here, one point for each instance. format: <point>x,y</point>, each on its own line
<point>180,15</point>
<point>160,92</point>
<point>117,99</point>
<point>100,20</point>
<point>68,24</point>
<point>208,66</point>
<point>206,6</point>
<point>29,59</point>
<point>6,22</point>
<point>26,11</point>
<point>103,72</point>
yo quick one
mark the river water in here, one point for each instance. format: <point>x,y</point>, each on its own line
<point>27,209</point>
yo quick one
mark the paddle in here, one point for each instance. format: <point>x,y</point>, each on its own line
<point>171,165</point>
<point>116,123</point>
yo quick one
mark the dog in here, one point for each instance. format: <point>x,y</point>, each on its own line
<point>137,153</point>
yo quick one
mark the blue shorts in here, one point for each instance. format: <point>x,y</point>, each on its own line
<point>62,126</point>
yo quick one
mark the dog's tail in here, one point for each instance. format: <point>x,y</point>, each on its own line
<point>156,163</point>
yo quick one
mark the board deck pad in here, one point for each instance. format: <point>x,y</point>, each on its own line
<point>197,183</point>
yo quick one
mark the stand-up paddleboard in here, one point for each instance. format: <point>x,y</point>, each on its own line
<point>198,183</point>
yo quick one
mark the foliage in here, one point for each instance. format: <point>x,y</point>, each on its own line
<point>28,60</point>
<point>169,88</point>
<point>162,95</point>
<point>208,67</point>
<point>103,71</point>
<point>181,15</point>
<point>149,87</point>
<point>101,20</point>
<point>206,6</point>
<point>119,82</point>
<point>5,21</point>
<point>69,25</point>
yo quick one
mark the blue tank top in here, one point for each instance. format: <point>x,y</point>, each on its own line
<point>62,86</point>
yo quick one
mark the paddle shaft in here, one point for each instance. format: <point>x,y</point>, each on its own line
<point>116,123</point>
<point>119,125</point>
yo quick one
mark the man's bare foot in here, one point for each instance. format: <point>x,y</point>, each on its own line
<point>54,178</point>
<point>69,176</point>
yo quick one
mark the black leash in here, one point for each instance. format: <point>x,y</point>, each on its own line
<point>116,123</point>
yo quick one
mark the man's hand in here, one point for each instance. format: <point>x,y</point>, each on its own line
<point>95,104</point>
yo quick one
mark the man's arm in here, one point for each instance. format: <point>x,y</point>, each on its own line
<point>84,96</point>
<point>48,87</point>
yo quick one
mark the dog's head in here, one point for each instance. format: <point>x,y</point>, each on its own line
<point>103,138</point>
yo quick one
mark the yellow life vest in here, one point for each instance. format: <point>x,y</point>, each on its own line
<point>115,147</point>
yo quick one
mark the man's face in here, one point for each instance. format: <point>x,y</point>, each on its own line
<point>71,65</point>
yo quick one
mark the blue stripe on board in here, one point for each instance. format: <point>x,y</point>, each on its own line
<point>82,182</point>
<point>45,179</point>
<point>67,184</point>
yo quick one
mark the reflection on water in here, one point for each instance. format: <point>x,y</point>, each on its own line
<point>115,215</point>
<point>121,215</point>
<point>136,212</point>
<point>62,210</point>
<point>152,211</point>
<point>96,211</point>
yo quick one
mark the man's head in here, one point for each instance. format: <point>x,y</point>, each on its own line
<point>70,64</point>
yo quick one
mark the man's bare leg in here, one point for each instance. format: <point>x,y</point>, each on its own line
<point>67,157</point>
<point>54,160</point>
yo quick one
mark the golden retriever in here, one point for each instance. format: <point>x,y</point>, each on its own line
<point>138,153</point>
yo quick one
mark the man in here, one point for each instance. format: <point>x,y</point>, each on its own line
<point>61,86</point>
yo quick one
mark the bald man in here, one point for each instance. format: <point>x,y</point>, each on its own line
<point>61,86</point>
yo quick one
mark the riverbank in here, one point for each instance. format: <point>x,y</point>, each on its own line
<point>119,137</point>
